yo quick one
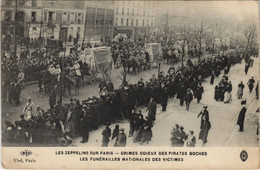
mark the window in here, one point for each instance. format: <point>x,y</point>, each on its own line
<point>133,12</point>
<point>144,12</point>
<point>136,22</point>
<point>8,16</point>
<point>143,22</point>
<point>127,11</point>
<point>116,10</point>
<point>122,21</point>
<point>34,3</point>
<point>72,18</point>
<point>152,23</point>
<point>147,22</point>
<point>68,18</point>
<point>127,20</point>
<point>123,10</point>
<point>137,12</point>
<point>116,21</point>
<point>64,17</point>
<point>33,17</point>
<point>132,22</point>
<point>79,18</point>
<point>51,16</point>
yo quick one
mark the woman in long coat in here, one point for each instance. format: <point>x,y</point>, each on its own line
<point>240,90</point>
<point>241,116</point>
<point>204,129</point>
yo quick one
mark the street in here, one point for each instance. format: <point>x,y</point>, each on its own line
<point>223,117</point>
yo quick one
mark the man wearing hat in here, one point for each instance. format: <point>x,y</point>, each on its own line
<point>241,116</point>
<point>106,135</point>
<point>121,138</point>
<point>204,112</point>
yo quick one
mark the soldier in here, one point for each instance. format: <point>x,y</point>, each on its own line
<point>174,134</point>
<point>106,135</point>
<point>28,109</point>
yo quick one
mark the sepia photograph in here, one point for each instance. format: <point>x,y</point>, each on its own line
<point>129,74</point>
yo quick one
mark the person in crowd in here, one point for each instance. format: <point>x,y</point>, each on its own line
<point>174,134</point>
<point>188,98</point>
<point>181,137</point>
<point>227,95</point>
<point>241,116</point>
<point>52,99</point>
<point>240,90</point>
<point>115,132</point>
<point>110,86</point>
<point>101,86</point>
<point>204,129</point>
<point>69,126</point>
<point>121,138</point>
<point>151,108</point>
<point>164,97</point>
<point>20,78</point>
<point>28,109</point>
<point>204,113</point>
<point>250,84</point>
<point>106,135</point>
<point>212,78</point>
<point>191,139</point>
<point>198,93</point>
<point>246,68</point>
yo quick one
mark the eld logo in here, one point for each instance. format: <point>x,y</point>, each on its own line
<point>243,155</point>
<point>26,153</point>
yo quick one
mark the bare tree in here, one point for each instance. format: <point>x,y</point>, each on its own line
<point>200,29</point>
<point>186,35</point>
<point>249,33</point>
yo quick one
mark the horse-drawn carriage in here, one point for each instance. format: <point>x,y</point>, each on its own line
<point>98,60</point>
<point>155,52</point>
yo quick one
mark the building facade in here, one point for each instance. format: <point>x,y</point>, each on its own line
<point>134,18</point>
<point>29,18</point>
<point>99,20</point>
<point>64,20</point>
<point>55,19</point>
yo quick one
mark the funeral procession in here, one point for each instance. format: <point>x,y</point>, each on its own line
<point>129,73</point>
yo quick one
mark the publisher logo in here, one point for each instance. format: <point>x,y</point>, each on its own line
<point>243,155</point>
<point>26,153</point>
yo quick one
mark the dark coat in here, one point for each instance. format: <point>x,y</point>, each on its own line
<point>204,130</point>
<point>106,135</point>
<point>241,116</point>
<point>121,140</point>
<point>198,93</point>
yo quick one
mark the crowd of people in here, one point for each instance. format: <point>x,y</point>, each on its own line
<point>65,121</point>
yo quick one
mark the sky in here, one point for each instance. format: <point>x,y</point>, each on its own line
<point>238,10</point>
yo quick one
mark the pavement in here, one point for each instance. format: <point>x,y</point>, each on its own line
<point>223,117</point>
